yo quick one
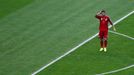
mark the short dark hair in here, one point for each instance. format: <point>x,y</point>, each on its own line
<point>103,11</point>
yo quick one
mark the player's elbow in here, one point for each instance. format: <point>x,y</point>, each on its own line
<point>96,16</point>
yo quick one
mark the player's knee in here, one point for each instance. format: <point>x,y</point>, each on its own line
<point>105,39</point>
<point>101,39</point>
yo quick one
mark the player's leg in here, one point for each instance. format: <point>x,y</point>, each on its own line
<point>101,40</point>
<point>105,40</point>
<point>105,44</point>
<point>101,44</point>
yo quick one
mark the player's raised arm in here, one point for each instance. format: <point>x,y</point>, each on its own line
<point>98,15</point>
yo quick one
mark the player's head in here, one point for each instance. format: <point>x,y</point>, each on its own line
<point>103,12</point>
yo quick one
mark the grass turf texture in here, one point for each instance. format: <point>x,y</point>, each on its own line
<point>10,6</point>
<point>33,34</point>
<point>87,60</point>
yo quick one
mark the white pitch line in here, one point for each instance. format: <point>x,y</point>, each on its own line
<point>73,49</point>
<point>121,34</point>
<point>118,70</point>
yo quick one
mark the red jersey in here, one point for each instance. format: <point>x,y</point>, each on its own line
<point>104,20</point>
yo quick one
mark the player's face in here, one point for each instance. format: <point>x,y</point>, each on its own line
<point>103,13</point>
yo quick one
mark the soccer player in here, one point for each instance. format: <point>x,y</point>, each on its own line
<point>103,28</point>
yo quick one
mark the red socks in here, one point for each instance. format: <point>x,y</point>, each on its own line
<point>103,43</point>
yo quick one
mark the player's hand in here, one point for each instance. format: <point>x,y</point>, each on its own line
<point>99,13</point>
<point>114,29</point>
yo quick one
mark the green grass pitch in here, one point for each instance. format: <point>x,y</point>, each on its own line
<point>35,32</point>
<point>87,60</point>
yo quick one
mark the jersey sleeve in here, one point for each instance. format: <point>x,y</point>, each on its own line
<point>97,16</point>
